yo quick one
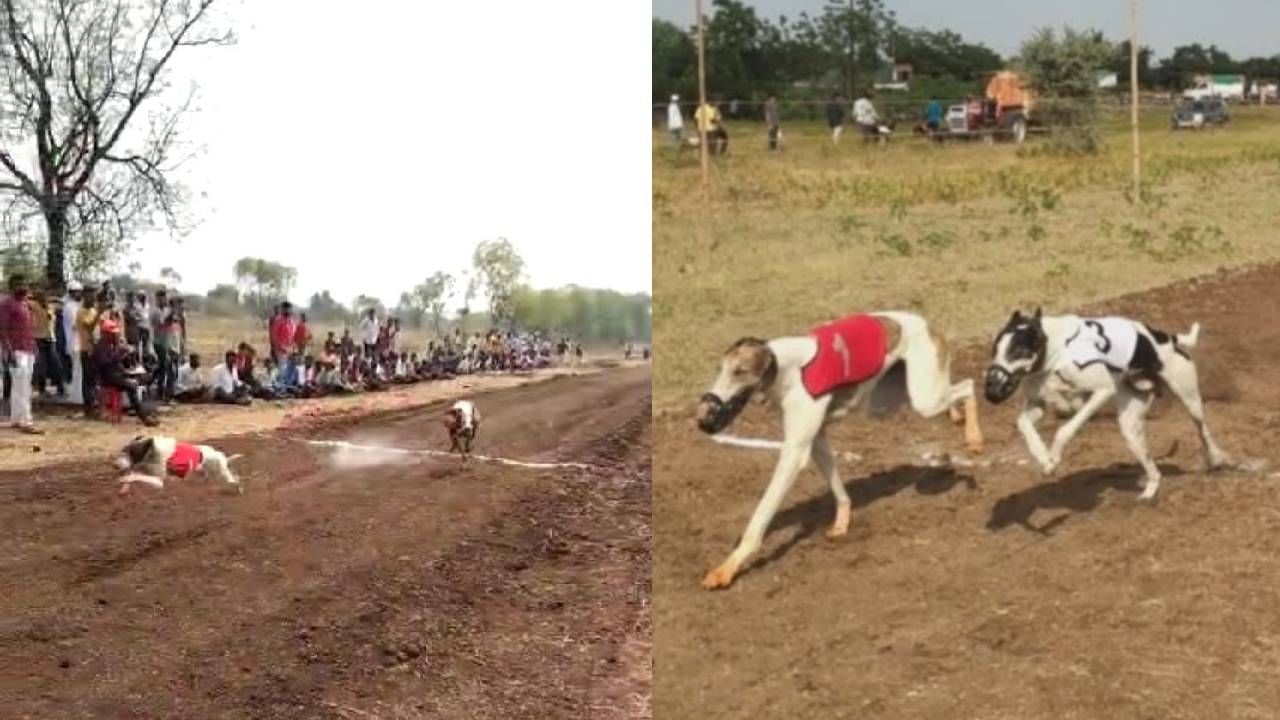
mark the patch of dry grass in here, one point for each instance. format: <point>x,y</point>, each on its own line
<point>962,233</point>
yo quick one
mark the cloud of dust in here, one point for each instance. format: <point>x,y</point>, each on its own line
<point>351,458</point>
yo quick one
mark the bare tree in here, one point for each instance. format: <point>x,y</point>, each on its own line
<point>74,75</point>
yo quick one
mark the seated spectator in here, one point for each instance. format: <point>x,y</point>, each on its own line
<point>287,380</point>
<point>190,386</point>
<point>226,385</point>
<point>113,368</point>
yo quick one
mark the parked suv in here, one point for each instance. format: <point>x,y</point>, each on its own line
<point>1199,113</point>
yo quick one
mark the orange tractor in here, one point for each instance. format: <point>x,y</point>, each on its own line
<point>1004,113</point>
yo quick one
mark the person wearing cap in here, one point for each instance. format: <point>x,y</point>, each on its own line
<point>18,353</point>
<point>675,122</point>
<point>110,356</point>
<point>69,348</point>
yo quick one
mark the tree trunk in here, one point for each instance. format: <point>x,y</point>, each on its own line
<point>56,256</point>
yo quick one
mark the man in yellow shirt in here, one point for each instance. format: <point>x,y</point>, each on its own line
<point>48,368</point>
<point>86,323</point>
<point>712,125</point>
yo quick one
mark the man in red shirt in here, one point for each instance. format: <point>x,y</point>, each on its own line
<point>18,352</point>
<point>283,331</point>
<point>301,335</point>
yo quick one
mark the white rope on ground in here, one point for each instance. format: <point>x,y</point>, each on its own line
<point>441,453</point>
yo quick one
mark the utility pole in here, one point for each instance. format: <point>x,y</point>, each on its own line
<point>702,101</point>
<point>1133,93</point>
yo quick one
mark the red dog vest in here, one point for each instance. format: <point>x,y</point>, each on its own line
<point>185,459</point>
<point>850,351</point>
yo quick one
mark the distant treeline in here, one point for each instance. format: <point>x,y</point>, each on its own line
<point>850,46</point>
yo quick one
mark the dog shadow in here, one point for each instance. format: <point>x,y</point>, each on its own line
<point>817,512</point>
<point>1079,492</point>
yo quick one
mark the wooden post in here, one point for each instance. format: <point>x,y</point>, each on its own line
<point>1133,94</point>
<point>702,101</point>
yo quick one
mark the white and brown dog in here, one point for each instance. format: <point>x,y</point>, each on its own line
<point>462,420</point>
<point>1074,366</point>
<point>151,459</point>
<point>877,362</point>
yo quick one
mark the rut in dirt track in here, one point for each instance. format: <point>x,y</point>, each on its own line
<point>408,589</point>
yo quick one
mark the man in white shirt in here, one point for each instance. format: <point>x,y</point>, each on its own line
<point>675,122</point>
<point>367,332</point>
<point>227,387</point>
<point>71,339</point>
<point>190,385</point>
<point>864,114</point>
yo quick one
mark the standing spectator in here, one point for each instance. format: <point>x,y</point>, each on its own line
<point>302,335</point>
<point>367,330</point>
<point>330,344</point>
<point>175,345</point>
<point>159,320</point>
<point>145,341</point>
<point>283,333</point>
<point>86,322</point>
<point>773,121</point>
<point>675,122</point>
<point>18,353</point>
<point>347,346</point>
<point>134,320</point>
<point>712,125</point>
<point>864,115</point>
<point>394,337</point>
<point>933,116</point>
<point>70,340</point>
<point>48,368</point>
<point>835,118</point>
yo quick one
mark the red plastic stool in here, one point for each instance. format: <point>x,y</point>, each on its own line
<point>110,400</point>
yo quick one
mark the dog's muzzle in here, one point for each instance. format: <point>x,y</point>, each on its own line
<point>1000,384</point>
<point>715,414</point>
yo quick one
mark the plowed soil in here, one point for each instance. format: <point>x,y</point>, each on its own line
<point>989,591</point>
<point>409,587</point>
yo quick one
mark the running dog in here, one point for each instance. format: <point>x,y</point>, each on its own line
<point>463,422</point>
<point>877,362</point>
<point>1075,365</point>
<point>152,459</point>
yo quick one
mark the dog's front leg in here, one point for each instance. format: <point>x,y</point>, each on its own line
<point>1072,426</point>
<point>1027,421</point>
<point>791,461</point>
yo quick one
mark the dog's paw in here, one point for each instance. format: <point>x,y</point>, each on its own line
<point>720,578</point>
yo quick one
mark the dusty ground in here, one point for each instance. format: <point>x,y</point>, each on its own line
<point>401,590</point>
<point>991,592</point>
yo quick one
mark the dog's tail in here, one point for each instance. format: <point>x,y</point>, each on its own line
<point>1188,340</point>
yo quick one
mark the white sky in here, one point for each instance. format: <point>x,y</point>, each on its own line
<point>369,148</point>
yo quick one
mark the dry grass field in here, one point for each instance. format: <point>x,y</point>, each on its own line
<point>961,232</point>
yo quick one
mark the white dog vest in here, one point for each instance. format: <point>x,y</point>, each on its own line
<point>465,411</point>
<point>1109,340</point>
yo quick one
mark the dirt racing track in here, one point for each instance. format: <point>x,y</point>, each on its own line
<point>351,585</point>
<point>992,592</point>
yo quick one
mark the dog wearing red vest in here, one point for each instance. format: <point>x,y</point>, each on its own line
<point>152,459</point>
<point>875,362</point>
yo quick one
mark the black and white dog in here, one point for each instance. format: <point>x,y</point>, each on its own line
<point>1075,365</point>
<point>462,420</point>
<point>150,459</point>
